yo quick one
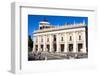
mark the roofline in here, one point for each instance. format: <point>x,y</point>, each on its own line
<point>60,29</point>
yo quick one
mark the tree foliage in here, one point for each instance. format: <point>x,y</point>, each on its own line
<point>30,43</point>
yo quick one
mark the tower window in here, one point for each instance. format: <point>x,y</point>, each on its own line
<point>40,27</point>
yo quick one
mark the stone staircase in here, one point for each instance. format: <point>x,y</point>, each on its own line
<point>53,56</point>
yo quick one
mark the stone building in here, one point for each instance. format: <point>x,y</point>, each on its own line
<point>69,38</point>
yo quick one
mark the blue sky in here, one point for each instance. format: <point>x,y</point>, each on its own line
<point>33,21</point>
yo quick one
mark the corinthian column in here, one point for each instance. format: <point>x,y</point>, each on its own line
<point>57,43</point>
<point>65,45</point>
<point>44,42</point>
<point>75,46</point>
<point>84,42</point>
<point>34,39</point>
<point>51,43</point>
<point>38,43</point>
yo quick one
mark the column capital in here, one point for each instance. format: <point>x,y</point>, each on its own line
<point>51,43</point>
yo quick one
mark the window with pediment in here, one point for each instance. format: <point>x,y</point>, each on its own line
<point>41,39</point>
<point>70,38</point>
<point>62,39</point>
<point>80,37</point>
<point>47,39</point>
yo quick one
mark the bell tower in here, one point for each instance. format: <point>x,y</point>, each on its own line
<point>44,24</point>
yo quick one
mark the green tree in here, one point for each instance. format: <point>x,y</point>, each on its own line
<point>30,44</point>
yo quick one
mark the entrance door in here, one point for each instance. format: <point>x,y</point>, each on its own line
<point>42,47</point>
<point>36,47</point>
<point>54,47</point>
<point>80,46</point>
<point>70,47</point>
<point>62,47</point>
<point>48,48</point>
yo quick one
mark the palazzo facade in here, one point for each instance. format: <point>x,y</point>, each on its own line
<point>68,38</point>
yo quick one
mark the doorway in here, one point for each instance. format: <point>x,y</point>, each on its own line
<point>41,47</point>
<point>48,48</point>
<point>70,47</point>
<point>62,47</point>
<point>54,47</point>
<point>80,46</point>
<point>36,47</point>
